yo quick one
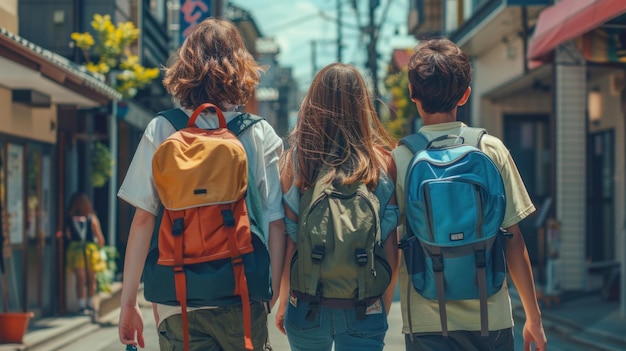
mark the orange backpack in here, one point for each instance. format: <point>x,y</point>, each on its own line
<point>202,180</point>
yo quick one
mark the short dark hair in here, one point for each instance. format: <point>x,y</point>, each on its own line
<point>439,74</point>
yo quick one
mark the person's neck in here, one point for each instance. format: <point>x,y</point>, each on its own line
<point>437,118</point>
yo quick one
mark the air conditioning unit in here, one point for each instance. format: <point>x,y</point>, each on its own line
<point>617,83</point>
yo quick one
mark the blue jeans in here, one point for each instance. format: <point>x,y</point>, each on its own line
<point>335,325</point>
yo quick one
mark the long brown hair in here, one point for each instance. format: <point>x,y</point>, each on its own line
<point>213,65</point>
<point>338,128</point>
<point>80,205</point>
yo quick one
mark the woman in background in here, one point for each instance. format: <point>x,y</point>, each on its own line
<point>82,229</point>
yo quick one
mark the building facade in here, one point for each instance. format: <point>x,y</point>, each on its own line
<point>55,113</point>
<point>39,89</point>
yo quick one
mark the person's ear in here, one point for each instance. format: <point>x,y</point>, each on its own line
<point>411,93</point>
<point>465,96</point>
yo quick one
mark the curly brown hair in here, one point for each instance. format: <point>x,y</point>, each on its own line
<point>338,127</point>
<point>213,65</point>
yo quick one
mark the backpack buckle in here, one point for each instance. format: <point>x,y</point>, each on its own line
<point>178,226</point>
<point>237,260</point>
<point>361,257</point>
<point>317,254</point>
<point>229,220</point>
<point>481,258</point>
<point>437,263</point>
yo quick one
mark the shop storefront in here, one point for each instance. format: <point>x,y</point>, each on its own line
<point>584,42</point>
<point>37,90</point>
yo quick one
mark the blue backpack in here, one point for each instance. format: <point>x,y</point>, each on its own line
<point>455,204</point>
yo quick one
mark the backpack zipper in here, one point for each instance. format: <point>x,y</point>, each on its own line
<point>377,239</point>
<point>429,212</point>
<point>313,205</point>
<point>479,211</point>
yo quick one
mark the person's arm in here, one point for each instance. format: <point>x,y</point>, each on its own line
<point>286,180</point>
<point>131,321</point>
<point>520,270</point>
<point>285,287</point>
<point>277,242</point>
<point>391,244</point>
<point>97,230</point>
<point>391,252</point>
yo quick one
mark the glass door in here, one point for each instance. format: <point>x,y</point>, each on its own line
<point>600,202</point>
<point>528,140</point>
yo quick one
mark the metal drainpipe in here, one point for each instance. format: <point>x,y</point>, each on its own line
<point>89,151</point>
<point>113,146</point>
<point>622,291</point>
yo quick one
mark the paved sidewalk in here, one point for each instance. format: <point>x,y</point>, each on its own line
<point>584,318</point>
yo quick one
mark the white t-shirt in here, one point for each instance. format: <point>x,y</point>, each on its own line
<point>263,147</point>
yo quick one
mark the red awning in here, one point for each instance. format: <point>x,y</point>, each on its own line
<point>570,19</point>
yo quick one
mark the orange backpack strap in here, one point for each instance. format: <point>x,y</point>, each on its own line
<point>241,283</point>
<point>180,280</point>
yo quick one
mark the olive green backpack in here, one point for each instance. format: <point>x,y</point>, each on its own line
<point>340,261</point>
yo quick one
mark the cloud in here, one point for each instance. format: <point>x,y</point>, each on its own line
<point>294,25</point>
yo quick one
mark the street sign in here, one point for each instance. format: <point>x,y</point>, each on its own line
<point>193,12</point>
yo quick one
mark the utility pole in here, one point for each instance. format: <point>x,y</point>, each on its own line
<point>314,57</point>
<point>218,8</point>
<point>339,38</point>
<point>372,53</point>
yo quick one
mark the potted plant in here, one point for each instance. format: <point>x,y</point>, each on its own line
<point>100,165</point>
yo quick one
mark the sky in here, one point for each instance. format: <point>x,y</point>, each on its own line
<point>294,24</point>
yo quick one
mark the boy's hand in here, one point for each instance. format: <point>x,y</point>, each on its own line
<point>534,333</point>
<point>131,326</point>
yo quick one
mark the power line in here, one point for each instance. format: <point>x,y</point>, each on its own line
<point>292,23</point>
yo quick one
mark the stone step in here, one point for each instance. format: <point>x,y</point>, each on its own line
<point>52,334</point>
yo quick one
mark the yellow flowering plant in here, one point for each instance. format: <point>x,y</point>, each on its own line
<point>397,87</point>
<point>111,47</point>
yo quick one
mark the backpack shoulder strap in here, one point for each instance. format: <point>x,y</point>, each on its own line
<point>176,117</point>
<point>242,122</point>
<point>238,125</point>
<point>472,136</point>
<point>415,142</point>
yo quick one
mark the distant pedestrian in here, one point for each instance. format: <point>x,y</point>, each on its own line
<point>212,66</point>
<point>82,230</point>
<point>439,82</point>
<point>341,219</point>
